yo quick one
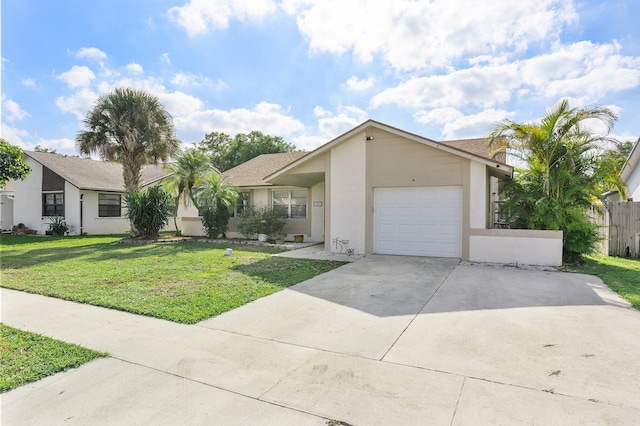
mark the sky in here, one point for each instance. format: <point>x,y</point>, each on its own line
<point>310,70</point>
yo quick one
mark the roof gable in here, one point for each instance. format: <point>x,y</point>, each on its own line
<point>85,173</point>
<point>253,172</point>
<point>498,167</point>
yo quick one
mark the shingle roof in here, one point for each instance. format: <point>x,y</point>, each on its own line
<point>477,146</point>
<point>85,173</point>
<point>253,172</point>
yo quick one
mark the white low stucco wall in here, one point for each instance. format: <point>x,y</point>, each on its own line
<point>516,246</point>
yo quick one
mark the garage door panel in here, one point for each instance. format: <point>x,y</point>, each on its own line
<point>418,221</point>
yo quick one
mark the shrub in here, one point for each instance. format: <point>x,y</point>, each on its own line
<point>260,220</point>
<point>58,226</point>
<point>148,211</point>
<point>215,220</point>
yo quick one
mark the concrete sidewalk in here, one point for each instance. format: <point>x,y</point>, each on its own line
<point>385,340</point>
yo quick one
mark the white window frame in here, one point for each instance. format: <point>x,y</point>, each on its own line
<point>288,202</point>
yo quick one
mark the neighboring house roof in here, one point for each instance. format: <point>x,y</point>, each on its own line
<point>497,167</point>
<point>85,173</point>
<point>478,146</point>
<point>252,172</point>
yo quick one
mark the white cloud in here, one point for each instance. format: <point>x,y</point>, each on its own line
<point>415,34</point>
<point>179,103</point>
<point>588,71</point>
<point>583,70</point>
<point>266,117</point>
<point>459,126</point>
<point>28,82</point>
<point>77,76</point>
<point>354,83</point>
<point>188,80</point>
<point>165,58</point>
<point>12,110</point>
<point>91,53</point>
<point>347,117</point>
<point>308,143</point>
<point>199,16</point>
<point>15,136</point>
<point>63,145</point>
<point>318,111</point>
<point>79,103</point>
<point>438,115</point>
<point>483,86</point>
<point>135,69</point>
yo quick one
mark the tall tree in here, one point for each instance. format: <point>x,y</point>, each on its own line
<point>559,181</point>
<point>11,164</point>
<point>188,170</point>
<point>131,127</point>
<point>228,152</point>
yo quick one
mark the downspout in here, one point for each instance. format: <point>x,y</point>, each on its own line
<point>81,213</point>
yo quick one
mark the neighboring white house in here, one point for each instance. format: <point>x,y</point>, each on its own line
<point>6,207</point>
<point>631,173</point>
<point>86,192</point>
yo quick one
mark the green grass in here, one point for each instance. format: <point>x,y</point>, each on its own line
<point>182,281</point>
<point>26,357</point>
<point>620,274</point>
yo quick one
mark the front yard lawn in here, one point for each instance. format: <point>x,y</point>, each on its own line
<point>26,357</point>
<point>179,281</point>
<point>620,274</point>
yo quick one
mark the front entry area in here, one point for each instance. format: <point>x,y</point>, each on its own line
<point>421,221</point>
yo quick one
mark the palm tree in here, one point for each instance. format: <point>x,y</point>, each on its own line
<point>215,198</point>
<point>559,181</point>
<point>558,139</point>
<point>187,171</point>
<point>131,127</point>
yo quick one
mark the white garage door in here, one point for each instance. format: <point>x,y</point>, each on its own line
<point>424,221</point>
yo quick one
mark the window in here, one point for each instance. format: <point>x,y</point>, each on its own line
<point>291,203</point>
<point>53,204</point>
<point>109,205</point>
<point>243,201</point>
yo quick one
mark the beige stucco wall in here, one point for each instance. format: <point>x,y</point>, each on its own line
<point>478,189</point>
<point>347,182</point>
<point>394,161</point>
<point>516,246</point>
<point>316,207</point>
<point>191,225</point>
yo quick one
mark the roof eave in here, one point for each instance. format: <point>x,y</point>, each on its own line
<point>420,139</point>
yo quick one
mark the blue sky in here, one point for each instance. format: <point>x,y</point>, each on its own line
<point>310,70</point>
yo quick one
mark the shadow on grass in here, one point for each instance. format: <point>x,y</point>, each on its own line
<point>92,249</point>
<point>622,275</point>
<point>286,272</point>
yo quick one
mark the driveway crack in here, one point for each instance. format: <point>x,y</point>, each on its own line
<point>455,411</point>
<point>419,310</point>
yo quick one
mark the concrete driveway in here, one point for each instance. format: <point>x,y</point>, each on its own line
<point>385,340</point>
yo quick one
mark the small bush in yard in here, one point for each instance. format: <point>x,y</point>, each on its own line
<point>148,211</point>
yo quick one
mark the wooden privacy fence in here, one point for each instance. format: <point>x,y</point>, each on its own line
<point>619,228</point>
